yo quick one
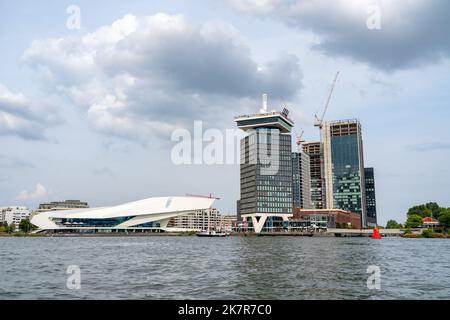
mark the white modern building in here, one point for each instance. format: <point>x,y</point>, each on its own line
<point>152,214</point>
<point>202,219</point>
<point>14,215</point>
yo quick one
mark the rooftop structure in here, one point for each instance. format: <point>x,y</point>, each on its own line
<point>63,205</point>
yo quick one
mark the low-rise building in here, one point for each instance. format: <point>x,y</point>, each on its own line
<point>333,217</point>
<point>201,219</point>
<point>429,222</point>
<point>14,215</point>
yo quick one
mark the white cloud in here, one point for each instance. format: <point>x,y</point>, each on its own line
<point>39,192</point>
<point>255,6</point>
<point>145,76</point>
<point>24,117</point>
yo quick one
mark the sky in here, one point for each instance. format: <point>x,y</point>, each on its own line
<point>89,101</point>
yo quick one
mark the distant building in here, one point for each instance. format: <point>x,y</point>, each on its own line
<point>265,186</point>
<point>63,205</point>
<point>314,151</point>
<point>429,222</point>
<point>331,216</point>
<point>301,180</point>
<point>344,167</point>
<point>201,219</point>
<point>14,215</point>
<point>371,203</point>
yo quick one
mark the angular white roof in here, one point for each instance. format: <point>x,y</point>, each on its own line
<point>151,209</point>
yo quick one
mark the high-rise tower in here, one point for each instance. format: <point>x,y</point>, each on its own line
<point>371,203</point>
<point>266,167</point>
<point>301,180</point>
<point>344,167</point>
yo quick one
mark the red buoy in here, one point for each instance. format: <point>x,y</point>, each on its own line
<point>376,234</point>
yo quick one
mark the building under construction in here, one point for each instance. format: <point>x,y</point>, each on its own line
<point>314,151</point>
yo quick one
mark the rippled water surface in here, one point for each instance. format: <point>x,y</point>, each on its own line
<point>224,268</point>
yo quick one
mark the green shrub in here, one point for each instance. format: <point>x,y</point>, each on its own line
<point>428,233</point>
<point>408,231</point>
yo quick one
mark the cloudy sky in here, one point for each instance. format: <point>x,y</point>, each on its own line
<point>87,113</point>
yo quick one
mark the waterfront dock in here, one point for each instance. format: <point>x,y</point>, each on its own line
<point>363,232</point>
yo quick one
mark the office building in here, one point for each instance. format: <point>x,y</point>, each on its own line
<point>301,180</point>
<point>266,167</point>
<point>344,167</point>
<point>371,204</point>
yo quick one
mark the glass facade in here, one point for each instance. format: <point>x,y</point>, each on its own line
<point>370,196</point>
<point>348,167</point>
<point>88,222</point>
<point>266,176</point>
<point>346,173</point>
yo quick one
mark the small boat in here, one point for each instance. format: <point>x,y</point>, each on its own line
<point>212,233</point>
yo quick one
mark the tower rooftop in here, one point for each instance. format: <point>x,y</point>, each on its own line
<point>265,119</point>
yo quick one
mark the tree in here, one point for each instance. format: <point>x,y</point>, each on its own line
<point>26,226</point>
<point>427,233</point>
<point>444,218</point>
<point>8,228</point>
<point>426,210</point>
<point>414,221</point>
<point>392,224</point>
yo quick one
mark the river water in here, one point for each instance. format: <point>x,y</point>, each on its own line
<point>223,268</point>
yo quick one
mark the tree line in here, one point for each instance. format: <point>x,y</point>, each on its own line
<point>416,214</point>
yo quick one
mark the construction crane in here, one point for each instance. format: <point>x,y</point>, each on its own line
<point>319,121</point>
<point>300,139</point>
<point>210,196</point>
